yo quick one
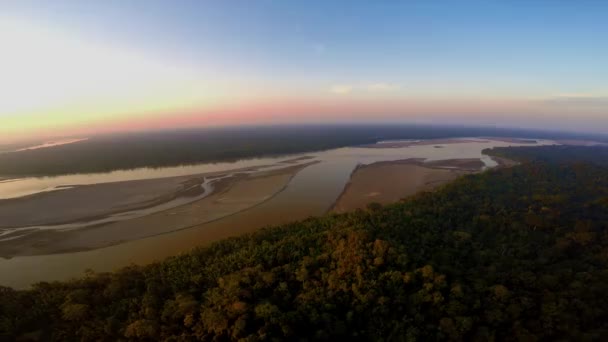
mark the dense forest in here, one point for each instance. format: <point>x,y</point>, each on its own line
<point>553,154</point>
<point>512,254</point>
<point>190,146</point>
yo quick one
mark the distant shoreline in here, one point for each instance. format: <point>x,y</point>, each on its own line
<point>228,144</point>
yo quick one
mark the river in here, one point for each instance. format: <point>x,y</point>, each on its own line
<point>310,192</point>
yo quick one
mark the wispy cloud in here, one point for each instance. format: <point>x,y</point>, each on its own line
<point>343,89</point>
<point>578,95</point>
<point>578,99</point>
<point>382,87</point>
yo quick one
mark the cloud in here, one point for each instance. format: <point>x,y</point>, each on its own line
<point>341,89</point>
<point>577,95</point>
<point>578,99</point>
<point>382,87</point>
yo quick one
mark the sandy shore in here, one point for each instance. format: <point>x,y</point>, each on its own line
<point>388,182</point>
<point>231,195</point>
<point>504,162</point>
<point>471,164</point>
<point>295,160</point>
<point>89,202</point>
<point>84,203</point>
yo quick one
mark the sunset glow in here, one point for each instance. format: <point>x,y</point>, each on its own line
<point>74,72</point>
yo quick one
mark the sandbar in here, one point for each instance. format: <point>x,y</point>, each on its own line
<point>504,162</point>
<point>231,195</point>
<point>388,182</point>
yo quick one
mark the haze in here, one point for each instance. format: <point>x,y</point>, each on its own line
<point>73,68</point>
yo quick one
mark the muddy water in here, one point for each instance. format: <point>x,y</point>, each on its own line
<point>311,192</point>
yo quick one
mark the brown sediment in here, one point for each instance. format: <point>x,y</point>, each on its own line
<point>388,182</point>
<point>295,160</point>
<point>469,164</point>
<point>230,196</point>
<point>332,207</point>
<point>86,203</point>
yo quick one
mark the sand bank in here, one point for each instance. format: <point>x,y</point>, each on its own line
<point>231,195</point>
<point>504,162</point>
<point>295,160</point>
<point>388,182</point>
<point>89,202</point>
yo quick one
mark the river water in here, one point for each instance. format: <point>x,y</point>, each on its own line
<point>311,192</point>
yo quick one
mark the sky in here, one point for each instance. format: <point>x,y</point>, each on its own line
<point>70,68</point>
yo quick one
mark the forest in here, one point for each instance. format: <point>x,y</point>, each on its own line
<point>553,154</point>
<point>190,146</point>
<point>514,254</point>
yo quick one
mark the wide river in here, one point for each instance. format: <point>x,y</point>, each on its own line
<point>310,192</point>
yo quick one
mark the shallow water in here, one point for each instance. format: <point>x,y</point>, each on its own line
<point>311,192</point>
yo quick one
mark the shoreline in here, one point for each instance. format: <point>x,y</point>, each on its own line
<point>48,242</point>
<point>455,168</point>
<point>196,225</point>
<point>504,162</point>
<point>184,192</point>
<point>160,191</point>
<point>332,207</point>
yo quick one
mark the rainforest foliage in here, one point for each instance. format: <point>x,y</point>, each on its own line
<point>553,154</point>
<point>512,254</point>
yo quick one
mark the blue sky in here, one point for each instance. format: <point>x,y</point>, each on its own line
<point>514,51</point>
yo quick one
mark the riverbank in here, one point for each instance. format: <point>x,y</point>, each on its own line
<point>230,195</point>
<point>388,182</point>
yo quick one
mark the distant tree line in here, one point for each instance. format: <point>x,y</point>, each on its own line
<point>553,154</point>
<point>191,146</point>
